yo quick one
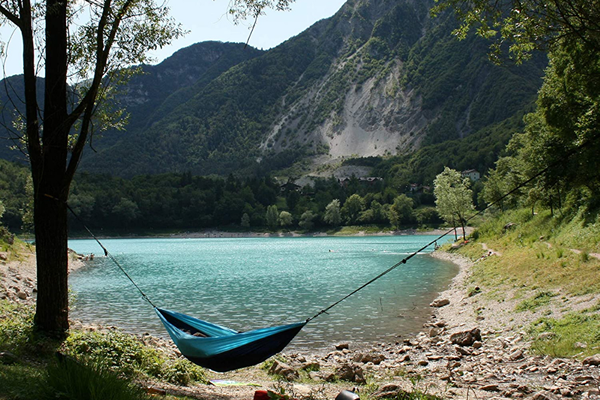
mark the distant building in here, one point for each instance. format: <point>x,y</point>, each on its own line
<point>289,186</point>
<point>471,174</point>
<point>368,180</point>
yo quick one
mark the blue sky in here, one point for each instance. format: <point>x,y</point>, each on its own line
<point>208,20</point>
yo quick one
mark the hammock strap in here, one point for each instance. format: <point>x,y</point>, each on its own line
<point>106,252</point>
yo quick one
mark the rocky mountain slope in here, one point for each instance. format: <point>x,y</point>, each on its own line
<point>378,78</point>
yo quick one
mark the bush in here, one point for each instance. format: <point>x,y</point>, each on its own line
<point>127,357</point>
<point>70,379</point>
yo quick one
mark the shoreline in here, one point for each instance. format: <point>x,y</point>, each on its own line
<point>494,359</point>
<point>215,233</point>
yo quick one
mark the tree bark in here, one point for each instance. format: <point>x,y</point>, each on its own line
<point>51,187</point>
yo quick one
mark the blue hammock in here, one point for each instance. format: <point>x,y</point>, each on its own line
<point>222,349</point>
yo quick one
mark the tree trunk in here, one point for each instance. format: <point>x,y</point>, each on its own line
<point>51,186</point>
<point>50,218</point>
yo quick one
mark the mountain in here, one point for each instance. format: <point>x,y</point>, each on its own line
<point>379,78</point>
<point>148,95</point>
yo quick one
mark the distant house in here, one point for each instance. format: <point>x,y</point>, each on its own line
<point>371,180</point>
<point>471,174</point>
<point>368,180</point>
<point>289,186</point>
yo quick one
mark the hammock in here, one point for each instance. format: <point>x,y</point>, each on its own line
<point>222,349</point>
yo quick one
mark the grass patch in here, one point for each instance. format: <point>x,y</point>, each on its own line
<point>98,363</point>
<point>535,302</point>
<point>577,334</point>
<point>534,255</point>
<point>71,379</point>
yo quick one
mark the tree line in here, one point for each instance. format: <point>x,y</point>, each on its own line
<point>181,202</point>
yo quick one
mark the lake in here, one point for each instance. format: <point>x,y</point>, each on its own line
<point>247,283</point>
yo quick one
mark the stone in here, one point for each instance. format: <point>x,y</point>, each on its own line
<point>516,355</point>
<point>546,336</point>
<point>433,332</point>
<point>342,346</point>
<point>463,351</point>
<point>22,295</point>
<point>404,358</point>
<point>374,358</point>
<point>284,370</point>
<point>440,303</point>
<point>543,395</point>
<point>423,363</point>
<point>390,391</point>
<point>592,360</point>
<point>490,388</point>
<point>351,373</point>
<point>466,338</point>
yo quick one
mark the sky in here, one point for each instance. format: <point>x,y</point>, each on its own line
<point>208,20</point>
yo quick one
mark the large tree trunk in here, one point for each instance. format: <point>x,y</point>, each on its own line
<point>51,186</point>
<point>50,218</point>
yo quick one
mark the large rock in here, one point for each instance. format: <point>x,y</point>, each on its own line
<point>592,360</point>
<point>375,358</point>
<point>390,391</point>
<point>351,373</point>
<point>466,338</point>
<point>284,370</point>
<point>440,303</point>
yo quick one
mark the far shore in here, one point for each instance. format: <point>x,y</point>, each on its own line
<point>215,233</point>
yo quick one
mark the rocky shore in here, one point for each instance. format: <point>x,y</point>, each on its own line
<point>472,347</point>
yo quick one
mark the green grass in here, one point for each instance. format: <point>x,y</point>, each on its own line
<point>533,255</point>
<point>98,363</point>
<point>539,300</point>
<point>568,334</point>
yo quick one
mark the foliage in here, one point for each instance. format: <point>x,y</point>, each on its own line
<point>527,25</point>
<point>453,197</point>
<point>73,380</point>
<point>285,218</point>
<point>127,357</point>
<point>333,214</point>
<point>352,208</point>
<point>272,217</point>
<point>401,211</point>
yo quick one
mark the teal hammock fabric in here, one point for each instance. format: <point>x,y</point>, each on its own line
<point>222,349</point>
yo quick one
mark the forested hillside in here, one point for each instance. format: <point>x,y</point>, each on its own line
<point>379,78</point>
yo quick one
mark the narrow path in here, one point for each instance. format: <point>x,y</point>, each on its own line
<point>577,251</point>
<point>491,251</point>
<point>595,255</point>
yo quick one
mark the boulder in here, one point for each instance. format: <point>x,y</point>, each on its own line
<point>391,391</point>
<point>351,373</point>
<point>592,360</point>
<point>375,358</point>
<point>440,303</point>
<point>284,370</point>
<point>466,338</point>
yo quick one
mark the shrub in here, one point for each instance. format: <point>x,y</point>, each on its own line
<point>70,379</point>
<point>124,355</point>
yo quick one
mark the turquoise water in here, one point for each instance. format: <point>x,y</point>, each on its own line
<point>247,283</point>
